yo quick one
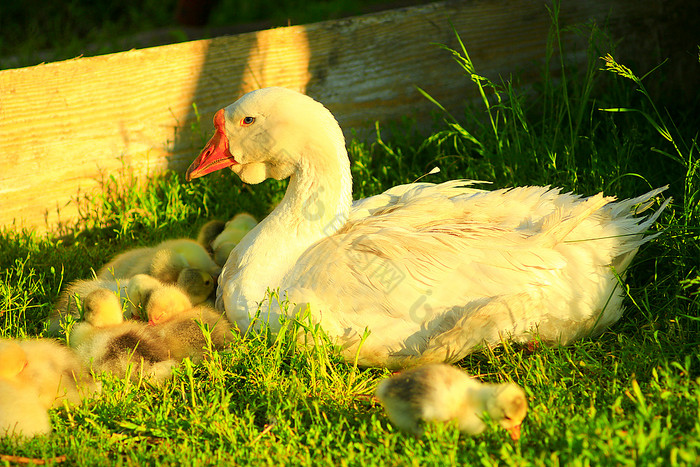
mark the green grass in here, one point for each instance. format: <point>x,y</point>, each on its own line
<point>630,396</point>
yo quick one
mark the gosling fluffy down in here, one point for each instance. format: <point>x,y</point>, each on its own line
<point>444,393</point>
<point>148,292</point>
<point>164,261</point>
<point>21,410</point>
<point>70,301</point>
<point>184,333</point>
<point>109,344</point>
<point>35,375</point>
<point>164,302</point>
<point>132,292</point>
<point>209,232</point>
<point>55,371</point>
<point>196,284</point>
<point>230,236</point>
<point>181,261</point>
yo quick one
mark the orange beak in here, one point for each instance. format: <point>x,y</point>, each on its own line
<point>514,432</point>
<point>215,155</point>
<point>155,319</point>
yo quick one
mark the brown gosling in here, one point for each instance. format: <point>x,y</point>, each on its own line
<point>109,344</point>
<point>443,393</point>
<point>184,333</point>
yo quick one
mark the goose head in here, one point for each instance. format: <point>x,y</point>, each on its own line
<point>508,406</point>
<point>266,134</point>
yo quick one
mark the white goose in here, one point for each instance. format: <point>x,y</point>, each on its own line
<point>431,271</point>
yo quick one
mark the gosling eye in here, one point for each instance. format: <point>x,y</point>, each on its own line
<point>247,121</point>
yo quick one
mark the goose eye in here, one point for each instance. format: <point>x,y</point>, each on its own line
<point>247,121</point>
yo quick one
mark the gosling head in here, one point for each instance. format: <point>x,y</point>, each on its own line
<point>208,233</point>
<point>12,359</point>
<point>102,308</point>
<point>196,283</point>
<point>195,256</point>
<point>138,290</point>
<point>508,406</point>
<point>239,226</point>
<point>165,303</point>
<point>235,230</point>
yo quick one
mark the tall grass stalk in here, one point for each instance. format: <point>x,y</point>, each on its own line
<point>685,153</point>
<point>512,141</point>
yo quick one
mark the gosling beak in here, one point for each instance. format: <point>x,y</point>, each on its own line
<point>155,320</point>
<point>514,432</point>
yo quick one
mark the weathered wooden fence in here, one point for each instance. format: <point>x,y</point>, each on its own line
<point>63,125</point>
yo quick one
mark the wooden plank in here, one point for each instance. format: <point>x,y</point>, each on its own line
<point>64,125</point>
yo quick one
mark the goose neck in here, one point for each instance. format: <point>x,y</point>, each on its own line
<point>319,195</point>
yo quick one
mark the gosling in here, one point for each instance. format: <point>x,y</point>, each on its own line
<point>189,333</point>
<point>21,412</point>
<point>109,344</point>
<point>230,236</point>
<point>443,393</point>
